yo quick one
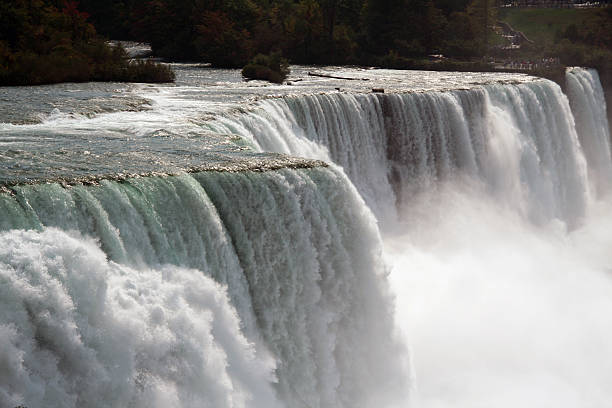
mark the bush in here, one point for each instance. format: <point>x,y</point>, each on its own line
<point>273,68</point>
<point>148,71</point>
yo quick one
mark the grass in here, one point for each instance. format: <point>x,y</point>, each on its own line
<point>540,25</point>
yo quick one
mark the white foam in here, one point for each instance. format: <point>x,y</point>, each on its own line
<point>78,330</point>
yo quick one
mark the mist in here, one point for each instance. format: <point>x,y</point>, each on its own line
<point>499,311</point>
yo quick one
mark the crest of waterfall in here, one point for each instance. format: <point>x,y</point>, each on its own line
<point>210,289</point>
<point>518,140</point>
<point>588,104</point>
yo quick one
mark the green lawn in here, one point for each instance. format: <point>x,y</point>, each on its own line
<point>540,25</point>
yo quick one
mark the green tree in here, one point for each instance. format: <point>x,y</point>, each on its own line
<point>219,42</point>
<point>483,15</point>
<point>48,41</point>
<point>307,31</point>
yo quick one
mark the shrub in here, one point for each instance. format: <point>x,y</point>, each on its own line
<point>148,71</point>
<point>273,68</point>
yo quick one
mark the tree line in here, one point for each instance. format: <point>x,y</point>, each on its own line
<point>228,33</point>
<point>44,41</point>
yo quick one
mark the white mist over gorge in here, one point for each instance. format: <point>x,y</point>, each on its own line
<point>226,244</point>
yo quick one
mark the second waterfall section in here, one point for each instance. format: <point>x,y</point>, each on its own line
<point>496,217</point>
<point>518,140</point>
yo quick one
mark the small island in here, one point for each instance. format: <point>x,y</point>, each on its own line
<point>272,68</point>
<point>46,41</point>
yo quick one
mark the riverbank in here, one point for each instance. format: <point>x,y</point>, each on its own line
<point>43,43</point>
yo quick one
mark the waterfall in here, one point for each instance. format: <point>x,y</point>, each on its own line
<point>519,140</point>
<point>588,103</point>
<point>495,225</point>
<point>195,290</point>
<point>80,330</point>
<point>270,284</point>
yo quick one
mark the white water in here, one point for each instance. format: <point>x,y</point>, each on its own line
<point>269,289</point>
<point>500,245</point>
<point>518,140</point>
<point>79,330</point>
<point>589,107</point>
<point>297,253</point>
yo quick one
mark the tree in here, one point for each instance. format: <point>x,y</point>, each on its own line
<point>219,42</point>
<point>307,31</point>
<point>482,14</point>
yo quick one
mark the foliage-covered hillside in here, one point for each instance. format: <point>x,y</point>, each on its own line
<point>54,40</point>
<point>48,41</point>
<point>578,37</point>
<point>230,32</point>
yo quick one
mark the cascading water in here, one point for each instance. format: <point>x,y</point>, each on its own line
<point>589,108</point>
<point>259,280</point>
<point>215,284</point>
<point>496,236</point>
<point>79,330</point>
<point>519,140</point>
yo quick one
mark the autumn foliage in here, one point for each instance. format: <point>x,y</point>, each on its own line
<point>49,41</point>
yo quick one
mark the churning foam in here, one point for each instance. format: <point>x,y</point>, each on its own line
<point>79,330</point>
